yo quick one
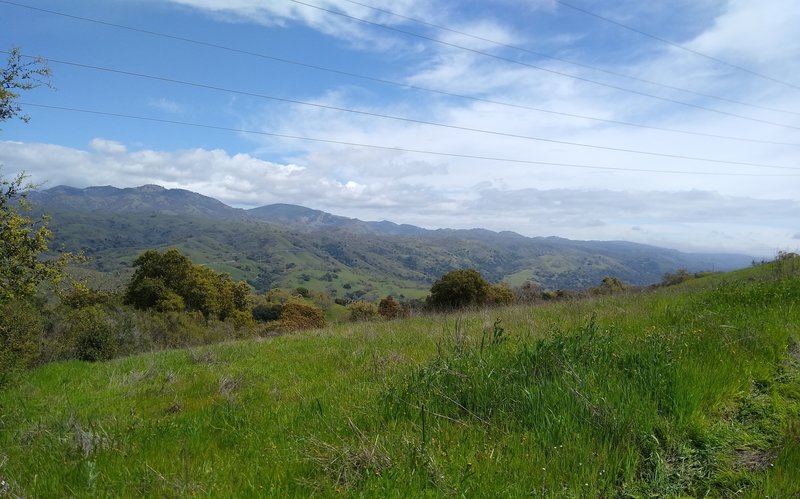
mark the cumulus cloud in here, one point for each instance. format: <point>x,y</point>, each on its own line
<point>578,181</point>
<point>239,179</point>
<point>684,219</point>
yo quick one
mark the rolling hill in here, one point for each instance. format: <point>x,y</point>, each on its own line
<point>685,391</point>
<point>285,245</point>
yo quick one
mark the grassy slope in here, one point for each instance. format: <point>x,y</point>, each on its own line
<point>691,390</point>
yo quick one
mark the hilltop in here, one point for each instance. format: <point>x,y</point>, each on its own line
<point>288,246</point>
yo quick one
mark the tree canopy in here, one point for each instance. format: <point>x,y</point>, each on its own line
<point>22,240</point>
<point>169,281</point>
<point>22,243</point>
<point>459,288</point>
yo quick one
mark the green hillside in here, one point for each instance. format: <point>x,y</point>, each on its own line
<point>289,246</point>
<point>691,390</point>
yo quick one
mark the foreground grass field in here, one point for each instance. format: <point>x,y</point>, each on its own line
<point>692,390</point>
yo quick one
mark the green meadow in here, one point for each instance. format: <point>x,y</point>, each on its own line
<point>688,390</point>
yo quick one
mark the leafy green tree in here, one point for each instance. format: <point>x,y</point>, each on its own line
<point>169,281</point>
<point>23,241</point>
<point>459,288</point>
<point>18,76</point>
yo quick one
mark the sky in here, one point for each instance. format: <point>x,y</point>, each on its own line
<point>669,122</point>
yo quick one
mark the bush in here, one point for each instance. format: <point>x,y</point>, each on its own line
<point>266,312</point>
<point>390,309</point>
<point>528,293</point>
<point>500,294</point>
<point>20,327</point>
<point>297,315</point>
<point>679,276</point>
<point>94,334</point>
<point>362,311</point>
<point>81,296</point>
<point>459,288</point>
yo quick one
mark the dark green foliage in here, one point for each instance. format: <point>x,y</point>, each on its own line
<point>95,335</point>
<point>170,282</point>
<point>266,312</point>
<point>20,325</point>
<point>458,289</point>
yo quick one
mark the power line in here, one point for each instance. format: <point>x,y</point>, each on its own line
<point>676,45</point>
<point>567,61</point>
<point>419,88</point>
<point>533,66</point>
<point>395,149</point>
<point>422,122</point>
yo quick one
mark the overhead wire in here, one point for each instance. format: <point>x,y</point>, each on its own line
<point>394,148</point>
<point>422,122</point>
<point>533,66</point>
<point>567,61</point>
<point>677,45</point>
<point>415,87</point>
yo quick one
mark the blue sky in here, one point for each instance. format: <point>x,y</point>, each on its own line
<point>497,83</point>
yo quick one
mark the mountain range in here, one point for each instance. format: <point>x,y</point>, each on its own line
<point>283,245</point>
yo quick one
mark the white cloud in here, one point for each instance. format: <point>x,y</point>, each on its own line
<point>690,220</point>
<point>362,35</point>
<point>679,209</point>
<point>166,105</point>
<point>107,146</point>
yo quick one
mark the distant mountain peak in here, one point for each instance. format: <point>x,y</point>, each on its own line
<point>151,188</point>
<point>148,198</point>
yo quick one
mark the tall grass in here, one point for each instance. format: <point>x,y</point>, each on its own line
<point>688,391</point>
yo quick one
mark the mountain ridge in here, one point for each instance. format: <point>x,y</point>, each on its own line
<point>284,245</point>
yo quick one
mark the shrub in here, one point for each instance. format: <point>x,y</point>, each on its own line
<point>677,277</point>
<point>81,296</point>
<point>266,312</point>
<point>459,288</point>
<point>500,294</point>
<point>389,308</point>
<point>362,311</point>
<point>529,292</point>
<point>94,334</point>
<point>20,327</point>
<point>297,315</point>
